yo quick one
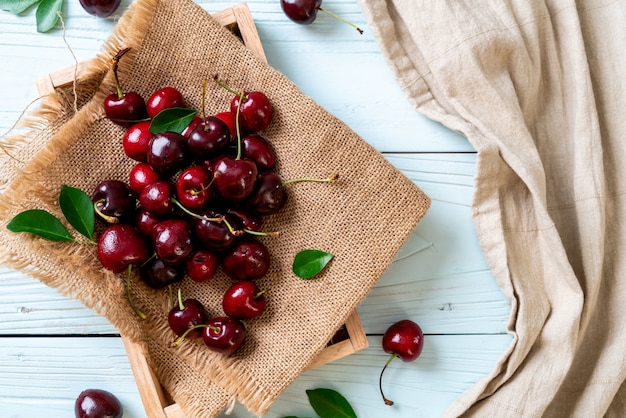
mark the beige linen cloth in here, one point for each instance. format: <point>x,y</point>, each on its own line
<point>538,88</point>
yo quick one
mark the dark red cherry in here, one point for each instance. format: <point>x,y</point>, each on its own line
<point>197,119</point>
<point>269,195</point>
<point>193,187</point>
<point>256,148</point>
<point>121,245</point>
<point>185,315</point>
<point>249,259</point>
<point>167,152</point>
<point>125,110</point>
<point>224,335</point>
<point>213,235</point>
<point>97,403</point>
<point>140,176</point>
<point>247,219</point>
<point>136,139</point>
<point>208,138</point>
<point>303,12</point>
<point>157,197</point>
<point>114,201</point>
<point>157,274</point>
<point>146,221</point>
<point>202,265</point>
<point>173,241</point>
<point>164,98</point>
<point>244,300</point>
<point>234,179</point>
<point>255,111</point>
<point>403,339</point>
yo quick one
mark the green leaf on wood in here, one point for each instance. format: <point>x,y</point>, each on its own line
<point>308,263</point>
<point>329,403</point>
<point>41,223</point>
<point>47,14</point>
<point>77,208</point>
<point>174,119</point>
<point>16,6</point>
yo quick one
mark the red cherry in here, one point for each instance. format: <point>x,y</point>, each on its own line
<point>249,259</point>
<point>234,179</point>
<point>140,176</point>
<point>224,335</point>
<point>173,241</point>
<point>157,197</point>
<point>97,403</point>
<point>125,109</point>
<point>244,300</point>
<point>164,98</point>
<point>403,339</point>
<point>229,119</point>
<point>193,187</point>
<point>186,314</point>
<point>121,245</point>
<point>255,111</point>
<point>136,139</point>
<point>202,265</point>
<point>257,149</point>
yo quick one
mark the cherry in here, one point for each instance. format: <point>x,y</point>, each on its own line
<point>202,265</point>
<point>269,195</point>
<point>124,109</point>
<point>252,109</point>
<point>164,98</point>
<point>146,221</point>
<point>249,259</point>
<point>229,119</point>
<point>157,197</point>
<point>224,334</point>
<point>197,119</point>
<point>214,236</point>
<point>403,339</point>
<point>250,221</point>
<point>185,315</point>
<point>97,403</point>
<point>167,152</point>
<point>136,139</point>
<point>304,12</point>
<point>257,149</point>
<point>100,8</point>
<point>193,187</point>
<point>173,241</point>
<point>157,274</point>
<point>234,178</point>
<point>244,300</point>
<point>208,138</point>
<point>114,201</point>
<point>120,246</point>
<point>140,176</point>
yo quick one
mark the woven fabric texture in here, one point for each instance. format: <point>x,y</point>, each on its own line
<point>363,218</point>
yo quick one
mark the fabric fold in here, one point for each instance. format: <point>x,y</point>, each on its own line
<point>536,88</point>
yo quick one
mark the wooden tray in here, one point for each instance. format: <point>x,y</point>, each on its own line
<point>349,339</point>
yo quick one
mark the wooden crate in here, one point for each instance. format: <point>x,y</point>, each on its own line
<point>349,339</point>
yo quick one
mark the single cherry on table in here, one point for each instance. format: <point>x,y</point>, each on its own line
<point>97,403</point>
<point>100,8</point>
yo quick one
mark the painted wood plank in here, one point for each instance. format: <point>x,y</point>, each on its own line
<point>42,376</point>
<point>342,71</point>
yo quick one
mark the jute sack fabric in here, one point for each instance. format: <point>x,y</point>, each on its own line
<point>363,218</point>
<point>538,89</point>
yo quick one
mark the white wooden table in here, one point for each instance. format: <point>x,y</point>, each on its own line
<point>52,347</point>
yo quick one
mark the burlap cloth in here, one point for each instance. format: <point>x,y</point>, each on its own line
<point>538,88</point>
<point>363,218</point>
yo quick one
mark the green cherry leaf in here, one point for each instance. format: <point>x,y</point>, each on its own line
<point>329,403</point>
<point>174,119</point>
<point>41,223</point>
<point>77,208</point>
<point>16,6</point>
<point>47,14</point>
<point>308,263</point>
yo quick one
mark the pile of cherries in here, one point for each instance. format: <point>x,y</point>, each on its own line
<point>194,202</point>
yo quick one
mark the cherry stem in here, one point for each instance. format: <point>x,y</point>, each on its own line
<point>109,219</point>
<point>380,380</point>
<point>262,233</point>
<point>358,29</point>
<point>182,337</point>
<point>129,295</point>
<point>181,306</point>
<point>219,219</point>
<point>116,60</point>
<point>203,99</point>
<point>259,294</point>
<point>241,97</point>
<point>326,180</point>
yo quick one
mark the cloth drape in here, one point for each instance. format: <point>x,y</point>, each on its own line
<point>538,89</point>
